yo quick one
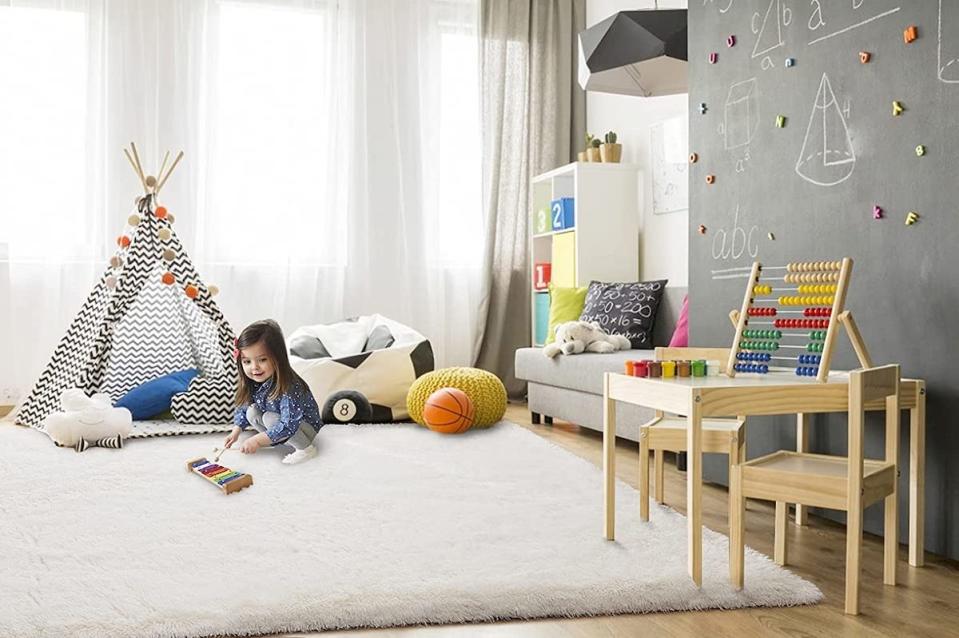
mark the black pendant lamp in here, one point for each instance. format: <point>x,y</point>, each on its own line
<point>635,53</point>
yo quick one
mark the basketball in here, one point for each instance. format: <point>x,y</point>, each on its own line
<point>449,411</point>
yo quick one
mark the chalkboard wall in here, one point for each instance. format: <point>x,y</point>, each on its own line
<point>806,191</point>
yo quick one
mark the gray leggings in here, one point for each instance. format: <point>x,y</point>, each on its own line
<point>263,421</point>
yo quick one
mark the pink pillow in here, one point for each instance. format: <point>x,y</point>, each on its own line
<point>681,333</point>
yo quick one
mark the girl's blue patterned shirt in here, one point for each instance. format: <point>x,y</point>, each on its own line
<point>294,407</point>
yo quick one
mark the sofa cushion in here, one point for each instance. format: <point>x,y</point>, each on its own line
<point>625,308</point>
<point>582,372</point>
<point>565,304</point>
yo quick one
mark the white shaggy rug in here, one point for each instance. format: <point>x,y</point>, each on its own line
<point>390,525</point>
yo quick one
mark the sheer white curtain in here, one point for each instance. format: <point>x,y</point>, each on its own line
<point>332,158</point>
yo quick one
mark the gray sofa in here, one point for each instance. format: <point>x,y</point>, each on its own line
<point>571,387</point>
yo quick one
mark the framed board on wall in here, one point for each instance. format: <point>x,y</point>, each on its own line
<point>668,145</point>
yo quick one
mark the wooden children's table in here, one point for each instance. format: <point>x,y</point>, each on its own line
<point>777,392</point>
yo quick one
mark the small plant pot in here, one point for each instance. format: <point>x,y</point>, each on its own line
<point>611,152</point>
<point>594,155</point>
<point>582,156</point>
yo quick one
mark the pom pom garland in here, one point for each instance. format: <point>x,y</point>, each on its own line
<point>191,291</point>
<point>161,212</point>
<point>133,219</point>
<point>168,278</point>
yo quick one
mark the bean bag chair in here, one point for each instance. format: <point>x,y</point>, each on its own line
<point>360,369</point>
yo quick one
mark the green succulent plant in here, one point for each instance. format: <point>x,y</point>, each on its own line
<point>611,138</point>
<point>596,142</point>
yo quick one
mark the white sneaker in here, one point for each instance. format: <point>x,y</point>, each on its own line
<point>300,455</point>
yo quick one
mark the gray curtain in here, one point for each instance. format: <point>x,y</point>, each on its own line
<point>534,116</point>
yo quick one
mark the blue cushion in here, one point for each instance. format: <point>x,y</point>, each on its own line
<point>155,396</point>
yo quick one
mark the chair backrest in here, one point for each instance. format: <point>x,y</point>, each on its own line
<point>865,386</point>
<point>684,354</point>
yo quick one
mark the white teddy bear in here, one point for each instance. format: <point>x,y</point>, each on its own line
<point>574,337</point>
<point>88,421</point>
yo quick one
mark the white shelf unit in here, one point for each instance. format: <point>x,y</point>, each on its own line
<point>605,234</point>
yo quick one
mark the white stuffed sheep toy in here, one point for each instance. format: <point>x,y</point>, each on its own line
<point>88,421</point>
<point>574,337</point>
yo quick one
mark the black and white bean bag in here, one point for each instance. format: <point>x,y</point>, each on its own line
<point>371,355</point>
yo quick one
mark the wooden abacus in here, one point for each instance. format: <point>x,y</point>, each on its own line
<point>227,480</point>
<point>818,288</point>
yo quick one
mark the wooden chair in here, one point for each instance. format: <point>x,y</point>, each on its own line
<point>841,483</point>
<point>667,432</point>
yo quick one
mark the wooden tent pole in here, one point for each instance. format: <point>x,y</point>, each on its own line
<point>170,171</point>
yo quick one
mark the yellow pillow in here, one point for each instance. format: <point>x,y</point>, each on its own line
<point>565,304</point>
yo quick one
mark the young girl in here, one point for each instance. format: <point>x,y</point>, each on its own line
<point>271,396</point>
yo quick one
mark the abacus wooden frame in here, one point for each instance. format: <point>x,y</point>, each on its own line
<point>839,300</point>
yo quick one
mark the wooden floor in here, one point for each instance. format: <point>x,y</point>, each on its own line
<point>925,603</point>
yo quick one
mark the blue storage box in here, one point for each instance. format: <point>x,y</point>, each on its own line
<point>561,213</point>
<point>541,310</point>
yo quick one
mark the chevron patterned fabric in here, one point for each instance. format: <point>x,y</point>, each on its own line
<point>142,328</point>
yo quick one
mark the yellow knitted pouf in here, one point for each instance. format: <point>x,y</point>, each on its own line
<point>484,389</point>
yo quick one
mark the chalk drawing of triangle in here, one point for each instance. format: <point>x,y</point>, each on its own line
<point>770,34</point>
<point>827,157</point>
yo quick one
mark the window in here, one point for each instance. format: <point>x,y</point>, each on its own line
<point>460,201</point>
<point>273,138</point>
<point>43,128</point>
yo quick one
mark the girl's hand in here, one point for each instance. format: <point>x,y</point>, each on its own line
<point>251,445</point>
<point>232,437</point>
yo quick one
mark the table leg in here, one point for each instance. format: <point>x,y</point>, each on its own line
<point>917,471</point>
<point>802,445</point>
<point>694,496</point>
<point>609,462</point>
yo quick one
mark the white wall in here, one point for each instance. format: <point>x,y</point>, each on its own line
<point>663,242</point>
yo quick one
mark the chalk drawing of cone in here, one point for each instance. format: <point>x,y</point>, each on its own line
<point>948,41</point>
<point>827,156</point>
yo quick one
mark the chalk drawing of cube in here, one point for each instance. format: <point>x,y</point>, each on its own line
<point>741,113</point>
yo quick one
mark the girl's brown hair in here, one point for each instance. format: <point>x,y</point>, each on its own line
<point>269,332</point>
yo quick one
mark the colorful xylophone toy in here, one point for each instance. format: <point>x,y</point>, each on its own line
<point>801,313</point>
<point>223,477</point>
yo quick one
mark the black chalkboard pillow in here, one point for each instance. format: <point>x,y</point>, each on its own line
<point>627,309</point>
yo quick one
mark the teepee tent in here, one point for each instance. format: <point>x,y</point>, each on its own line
<point>148,315</point>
